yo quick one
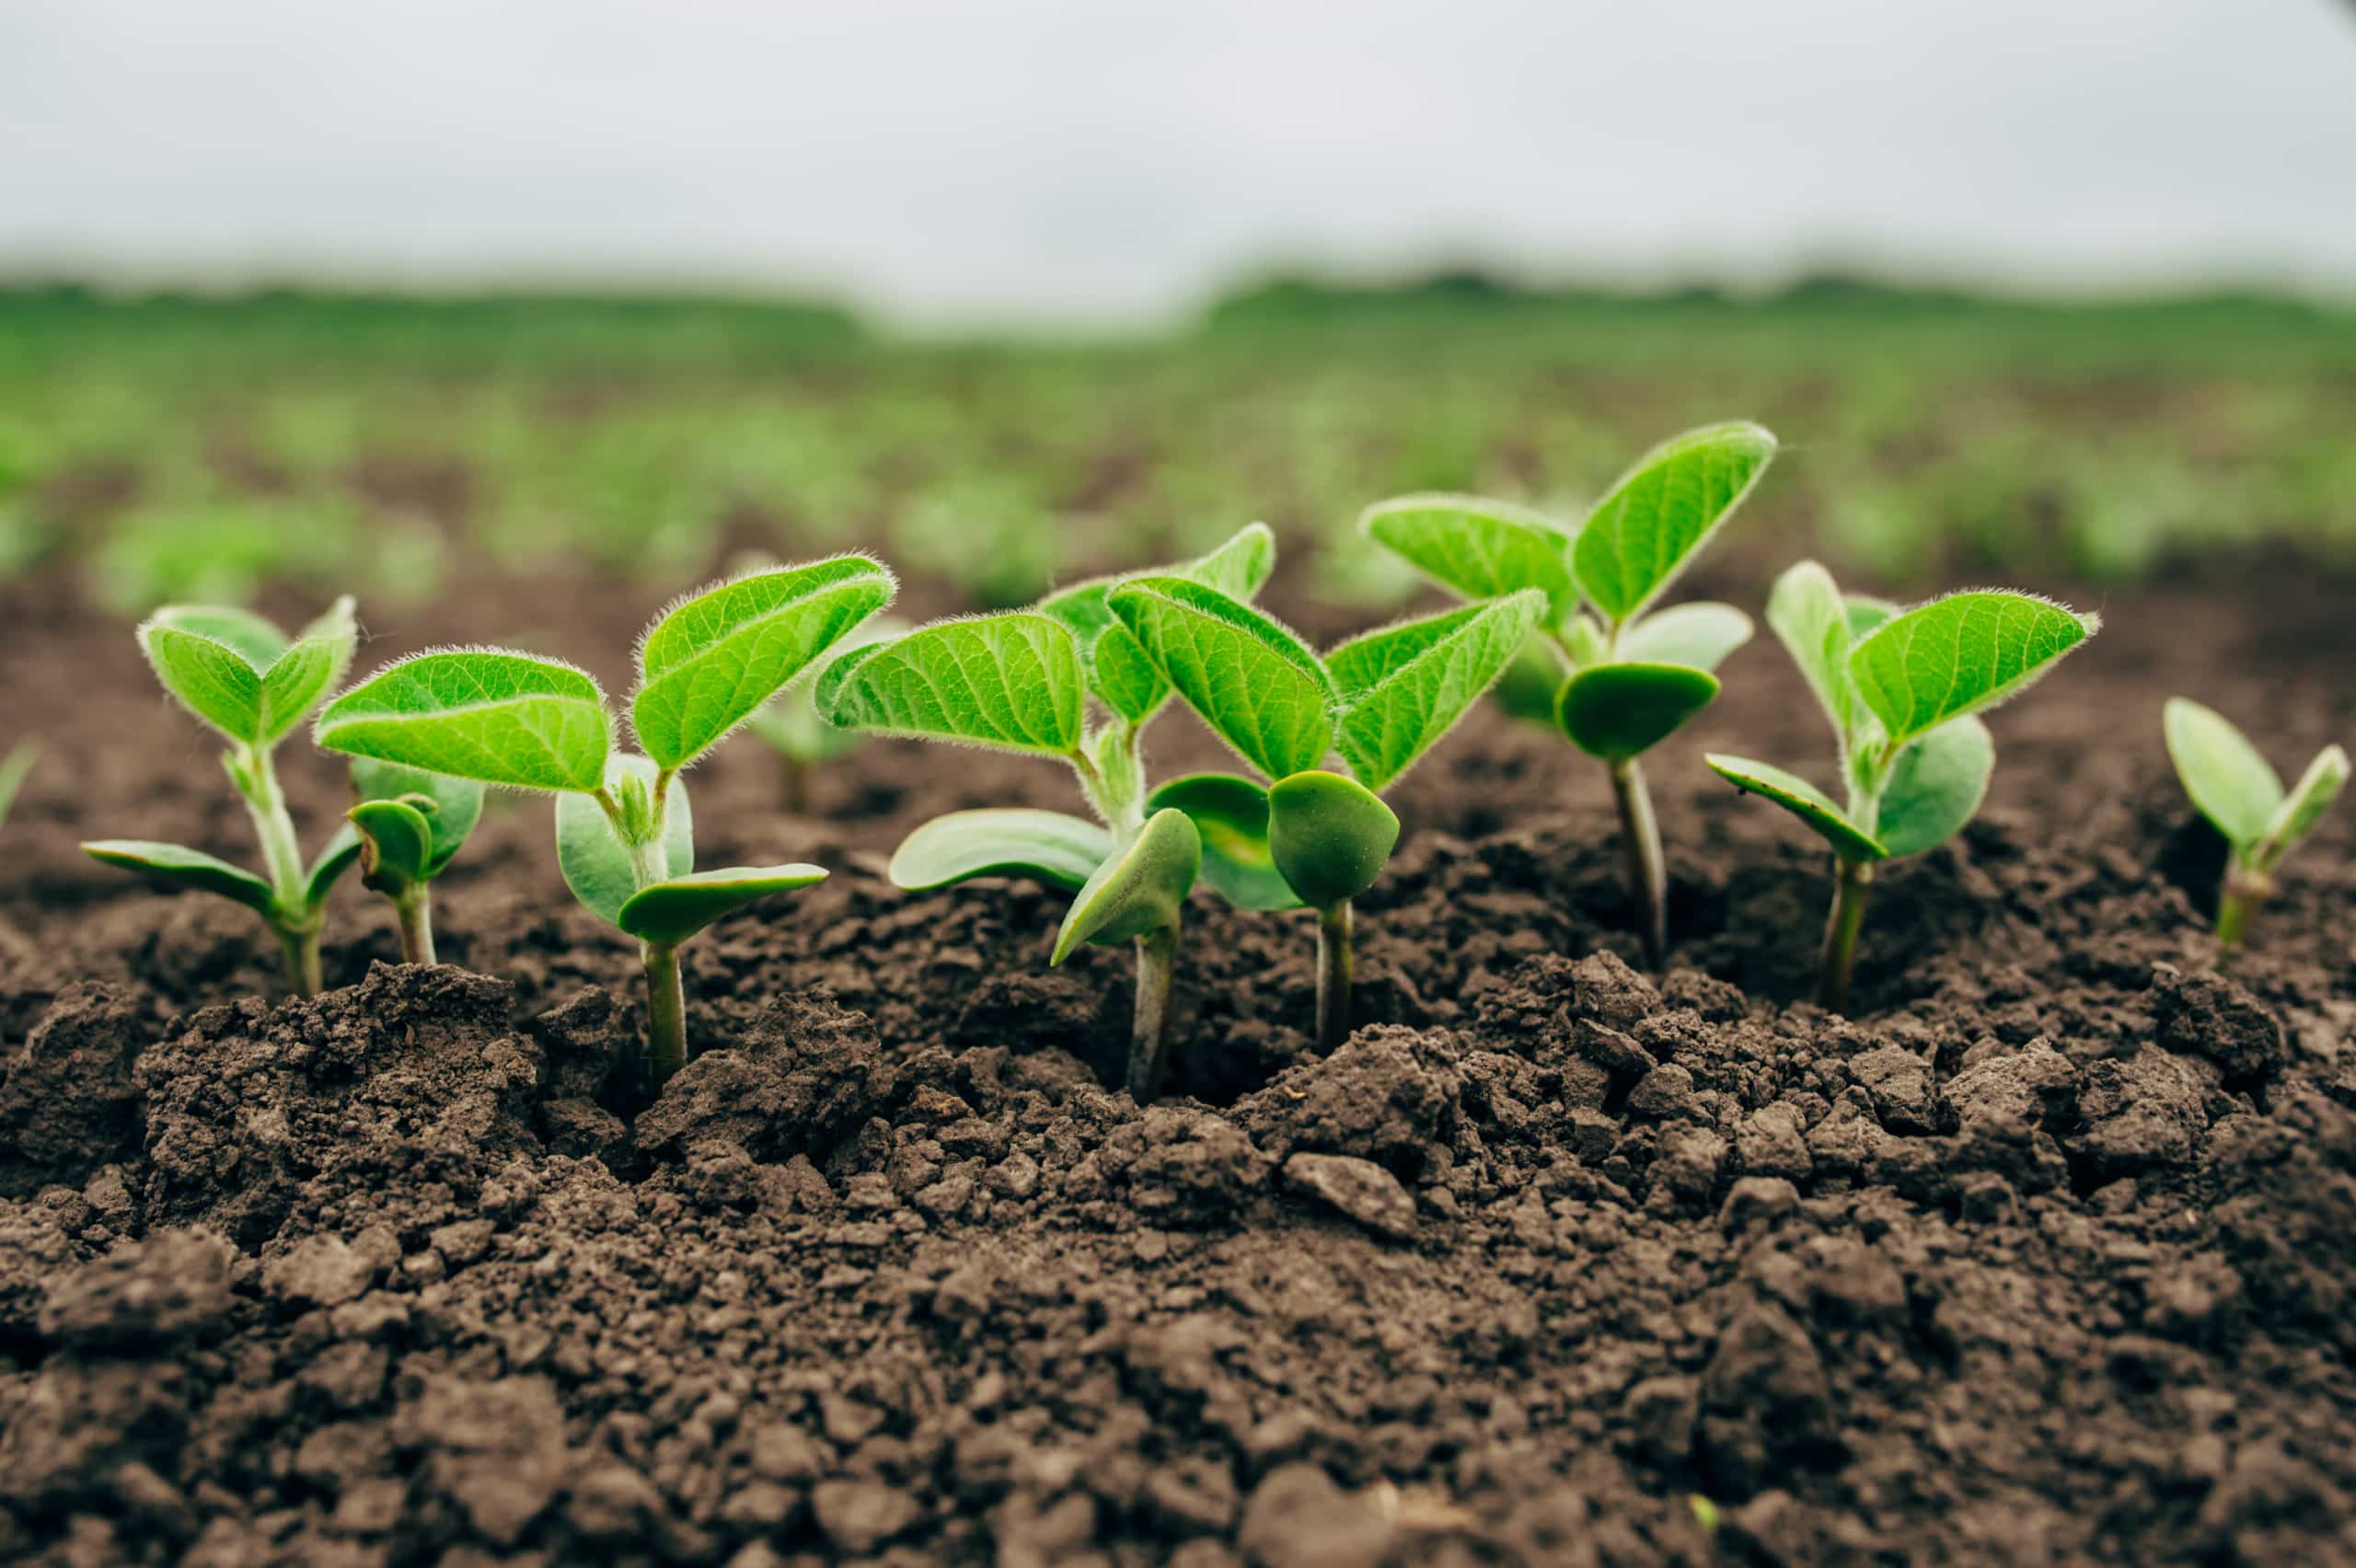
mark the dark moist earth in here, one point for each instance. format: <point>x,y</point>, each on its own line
<point>2044,1256</point>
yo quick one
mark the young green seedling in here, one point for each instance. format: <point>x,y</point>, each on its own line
<point>1613,673</point>
<point>14,767</point>
<point>1904,690</point>
<point>792,726</point>
<point>623,828</point>
<point>411,824</point>
<point>1021,681</point>
<point>248,682</point>
<point>2242,796</point>
<point>1382,700</point>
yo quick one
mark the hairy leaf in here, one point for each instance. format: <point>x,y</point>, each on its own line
<point>1406,686</point>
<point>253,638</point>
<point>1959,654</point>
<point>594,862</point>
<point>1867,612</point>
<point>1618,711</point>
<point>1482,549</point>
<point>1140,890</point>
<point>1010,681</point>
<point>1936,786</point>
<point>1331,836</point>
<point>1050,846</point>
<point>1116,668</point>
<point>397,841</point>
<point>2229,782</point>
<point>715,657</point>
<point>1231,813</point>
<point>2303,807</point>
<point>1807,615</point>
<point>458,802</point>
<point>1238,567</point>
<point>294,685</point>
<point>211,679</point>
<point>1698,634</point>
<point>1804,800</point>
<point>670,912</point>
<point>481,713</point>
<point>185,868</point>
<point>1528,688</point>
<point>1651,523</point>
<point>1253,682</point>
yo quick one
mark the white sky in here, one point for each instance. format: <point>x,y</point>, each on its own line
<point>1112,161</point>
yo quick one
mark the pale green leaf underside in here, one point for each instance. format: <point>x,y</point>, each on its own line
<point>1806,613</point>
<point>1231,813</point>
<point>253,638</point>
<point>1050,846</point>
<point>2309,798</point>
<point>458,802</point>
<point>399,843</point>
<point>1482,549</point>
<point>1803,800</point>
<point>718,656</point>
<point>1698,635</point>
<point>1258,687</point>
<point>336,856</point>
<point>1650,524</point>
<point>1427,675</point>
<point>2228,781</point>
<point>1138,891</point>
<point>670,912</point>
<point>596,865</point>
<point>1936,786</point>
<point>1010,682</point>
<point>485,714</point>
<point>1238,567</point>
<point>185,867</point>
<point>1958,655</point>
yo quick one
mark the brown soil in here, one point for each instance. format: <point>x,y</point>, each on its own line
<point>2044,1256</point>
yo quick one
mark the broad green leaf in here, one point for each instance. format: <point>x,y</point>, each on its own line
<point>397,841</point>
<point>293,685</point>
<point>715,657</point>
<point>481,713</point>
<point>458,802</point>
<point>1807,615</point>
<point>186,867</point>
<point>212,679</point>
<point>670,912</point>
<point>1010,681</point>
<point>1651,523</point>
<point>1406,686</point>
<point>2230,783</point>
<point>1617,711</point>
<point>1699,635</point>
<point>1231,813</point>
<point>1050,846</point>
<point>1138,891</point>
<point>1115,667</point>
<point>1239,567</point>
<point>1804,800</point>
<point>792,723</point>
<point>1936,786</point>
<point>2309,798</point>
<point>1330,836</point>
<point>594,862</point>
<point>1482,549</point>
<point>339,855</point>
<point>1959,654</point>
<point>1258,687</point>
<point>253,638</point>
<point>1528,688</point>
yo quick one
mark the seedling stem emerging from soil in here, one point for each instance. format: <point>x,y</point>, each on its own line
<point>2238,790</point>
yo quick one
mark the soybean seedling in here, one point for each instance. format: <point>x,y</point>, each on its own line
<point>411,824</point>
<point>252,684</point>
<point>2242,796</point>
<point>1382,700</point>
<point>1613,673</point>
<point>790,725</point>
<point>624,836</point>
<point>14,767</point>
<point>1022,681</point>
<point>1904,690</point>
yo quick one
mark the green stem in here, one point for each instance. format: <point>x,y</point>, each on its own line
<point>2237,900</point>
<point>1640,846</point>
<point>1149,1024</point>
<point>281,857</point>
<point>1853,883</point>
<point>793,786</point>
<point>666,1013</point>
<point>413,916</point>
<point>1334,964</point>
<point>301,945</point>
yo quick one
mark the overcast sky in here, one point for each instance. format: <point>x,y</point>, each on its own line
<point>961,161</point>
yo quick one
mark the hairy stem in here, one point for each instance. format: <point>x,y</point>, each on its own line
<point>1640,845</point>
<point>1149,1025</point>
<point>666,1014</point>
<point>1334,965</point>
<point>1853,883</point>
<point>413,916</point>
<point>301,945</point>
<point>281,857</point>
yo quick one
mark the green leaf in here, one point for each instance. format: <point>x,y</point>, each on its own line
<point>1528,688</point>
<point>212,679</point>
<point>594,862</point>
<point>1651,523</point>
<point>458,802</point>
<point>2309,798</point>
<point>1137,892</point>
<point>1406,686</point>
<point>14,769</point>
<point>1050,846</point>
<point>1865,612</point>
<point>1482,549</point>
<point>1114,666</point>
<point>1010,681</point>
<point>1936,786</point>
<point>481,713</point>
<point>1617,711</point>
<point>298,678</point>
<point>2229,782</point>
<point>1804,800</point>
<point>253,638</point>
<point>1331,836</point>
<point>1806,613</point>
<point>1252,681</point>
<point>791,722</point>
<point>1699,635</point>
<point>670,912</point>
<point>397,840</point>
<point>1960,654</point>
<point>185,868</point>
<point>716,656</point>
<point>1231,813</point>
<point>1238,567</point>
<point>337,856</point>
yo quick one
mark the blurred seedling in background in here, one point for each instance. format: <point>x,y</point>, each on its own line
<point>14,769</point>
<point>625,839</point>
<point>1904,690</point>
<point>2243,797</point>
<point>1309,835</point>
<point>1021,681</point>
<point>1608,670</point>
<point>790,726</point>
<point>412,825</point>
<point>251,684</point>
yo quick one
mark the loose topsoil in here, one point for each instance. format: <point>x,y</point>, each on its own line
<point>2044,1256</point>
